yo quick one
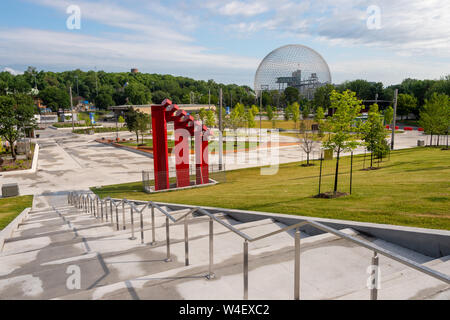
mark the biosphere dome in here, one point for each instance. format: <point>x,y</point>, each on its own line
<point>292,66</point>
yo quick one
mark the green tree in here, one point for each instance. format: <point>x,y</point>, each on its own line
<point>322,96</point>
<point>137,93</point>
<point>406,104</point>
<point>341,124</point>
<point>9,122</point>
<point>291,95</point>
<point>104,100</point>
<point>16,114</point>
<point>142,125</point>
<point>131,120</point>
<point>434,118</point>
<point>202,115</point>
<point>295,109</point>
<point>388,116</point>
<point>319,118</point>
<point>288,112</point>
<point>210,118</point>
<point>250,118</point>
<point>55,98</point>
<point>373,133</point>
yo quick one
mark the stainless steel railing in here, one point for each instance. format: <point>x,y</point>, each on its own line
<point>86,201</point>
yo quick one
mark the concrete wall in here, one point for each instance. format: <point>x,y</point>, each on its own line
<point>430,242</point>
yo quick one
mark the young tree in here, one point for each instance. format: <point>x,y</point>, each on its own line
<point>250,118</point>
<point>434,118</point>
<point>306,141</point>
<point>210,118</point>
<point>388,116</point>
<point>131,120</point>
<point>341,124</point>
<point>288,112</point>
<point>295,109</point>
<point>269,112</point>
<point>373,133</point>
<point>143,124</point>
<point>8,122</point>
<point>16,114</point>
<point>202,115</point>
<point>406,104</point>
<point>319,118</point>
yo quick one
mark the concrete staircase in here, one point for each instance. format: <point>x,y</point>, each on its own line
<point>38,260</point>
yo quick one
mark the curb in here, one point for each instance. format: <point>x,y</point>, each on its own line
<point>33,165</point>
<point>12,226</point>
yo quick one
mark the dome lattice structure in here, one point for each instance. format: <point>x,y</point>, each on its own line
<point>292,66</point>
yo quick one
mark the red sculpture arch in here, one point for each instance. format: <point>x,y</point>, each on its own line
<point>185,126</point>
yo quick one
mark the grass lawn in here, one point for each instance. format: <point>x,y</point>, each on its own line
<point>410,189</point>
<point>11,207</point>
<point>212,144</point>
<point>283,124</point>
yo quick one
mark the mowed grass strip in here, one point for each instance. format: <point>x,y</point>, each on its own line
<point>12,207</point>
<point>411,188</point>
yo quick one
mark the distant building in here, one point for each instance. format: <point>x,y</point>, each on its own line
<point>146,108</point>
<point>134,70</point>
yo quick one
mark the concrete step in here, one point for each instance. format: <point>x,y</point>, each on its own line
<point>118,259</point>
<point>330,266</point>
<point>410,284</point>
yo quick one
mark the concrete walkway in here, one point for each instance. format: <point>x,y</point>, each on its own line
<point>58,242</point>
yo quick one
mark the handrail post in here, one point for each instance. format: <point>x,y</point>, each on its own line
<point>111,211</point>
<point>101,207</point>
<point>186,242</point>
<point>297,265</point>
<point>168,259</point>
<point>132,224</point>
<point>123,216</point>
<point>117,218</point>
<point>142,226</point>
<point>374,275</point>
<point>245,270</point>
<point>211,249</point>
<point>153,226</point>
<point>106,210</point>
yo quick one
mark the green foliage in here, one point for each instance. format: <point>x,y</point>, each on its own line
<point>388,115</point>
<point>291,95</point>
<point>137,93</point>
<point>202,115</point>
<point>269,112</point>
<point>250,118</point>
<point>55,98</point>
<point>288,112</point>
<point>342,124</point>
<point>406,104</point>
<point>373,132</point>
<point>295,111</point>
<point>210,118</point>
<point>435,116</point>
<point>121,119</point>
<point>322,96</point>
<point>16,114</point>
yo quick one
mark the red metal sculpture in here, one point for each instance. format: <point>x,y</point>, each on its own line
<point>185,127</point>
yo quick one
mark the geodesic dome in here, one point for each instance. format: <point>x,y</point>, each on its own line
<point>292,66</point>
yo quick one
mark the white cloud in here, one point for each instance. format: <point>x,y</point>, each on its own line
<point>74,50</point>
<point>241,8</point>
<point>12,71</point>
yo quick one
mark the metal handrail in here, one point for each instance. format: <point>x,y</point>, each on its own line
<point>377,250</point>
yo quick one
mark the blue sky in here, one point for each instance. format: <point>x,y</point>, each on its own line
<point>226,40</point>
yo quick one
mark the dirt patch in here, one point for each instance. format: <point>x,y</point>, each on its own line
<point>331,195</point>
